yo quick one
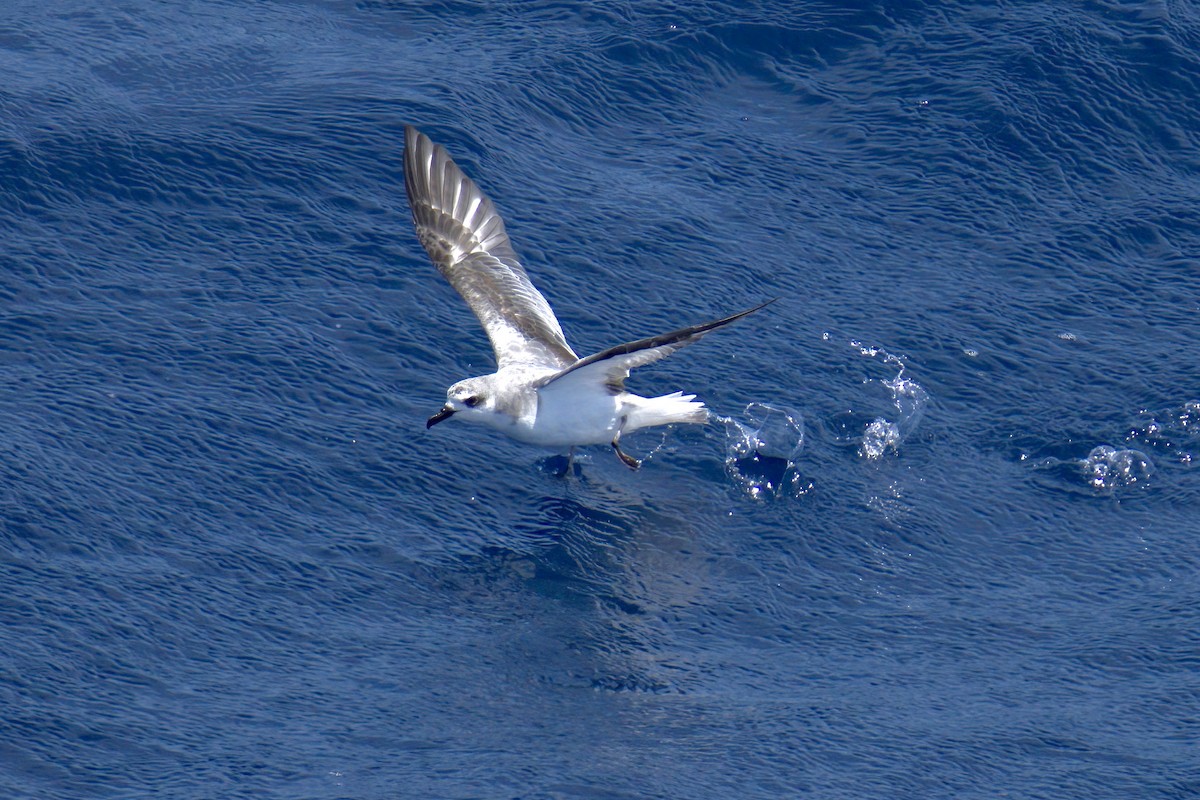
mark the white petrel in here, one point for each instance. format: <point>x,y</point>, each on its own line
<point>541,392</point>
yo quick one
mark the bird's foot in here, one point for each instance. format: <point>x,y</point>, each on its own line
<point>626,459</point>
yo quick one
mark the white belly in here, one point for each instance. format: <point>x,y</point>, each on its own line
<point>564,419</point>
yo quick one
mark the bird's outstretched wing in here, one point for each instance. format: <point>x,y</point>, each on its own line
<point>611,367</point>
<point>465,237</point>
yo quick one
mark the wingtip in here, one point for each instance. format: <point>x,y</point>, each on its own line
<point>747,312</point>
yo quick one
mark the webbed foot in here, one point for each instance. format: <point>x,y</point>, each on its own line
<point>626,459</point>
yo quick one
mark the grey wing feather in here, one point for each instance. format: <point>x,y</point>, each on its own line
<point>611,367</point>
<point>466,240</point>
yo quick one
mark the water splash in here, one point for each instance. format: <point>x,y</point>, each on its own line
<point>875,435</point>
<point>878,437</point>
<point>1173,434</point>
<point>761,453</point>
<point>1108,469</point>
<point>1167,439</point>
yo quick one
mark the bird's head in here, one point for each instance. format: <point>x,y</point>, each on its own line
<point>472,399</point>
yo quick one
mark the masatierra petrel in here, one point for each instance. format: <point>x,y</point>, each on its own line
<point>541,392</point>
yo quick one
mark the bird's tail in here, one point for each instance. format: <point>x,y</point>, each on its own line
<point>676,407</point>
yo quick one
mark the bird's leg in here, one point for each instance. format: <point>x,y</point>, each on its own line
<point>626,459</point>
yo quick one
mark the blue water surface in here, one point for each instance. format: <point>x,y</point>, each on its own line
<point>942,542</point>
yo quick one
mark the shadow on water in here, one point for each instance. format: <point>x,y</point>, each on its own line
<point>597,563</point>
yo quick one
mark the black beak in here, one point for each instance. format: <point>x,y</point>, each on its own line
<point>438,417</point>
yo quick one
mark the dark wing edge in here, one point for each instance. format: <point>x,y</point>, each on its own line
<point>466,239</point>
<point>647,351</point>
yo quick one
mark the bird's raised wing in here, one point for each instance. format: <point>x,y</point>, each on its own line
<point>465,237</point>
<point>611,367</point>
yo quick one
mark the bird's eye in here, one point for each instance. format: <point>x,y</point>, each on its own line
<point>472,401</point>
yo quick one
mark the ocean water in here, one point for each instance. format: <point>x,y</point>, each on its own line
<point>942,541</point>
